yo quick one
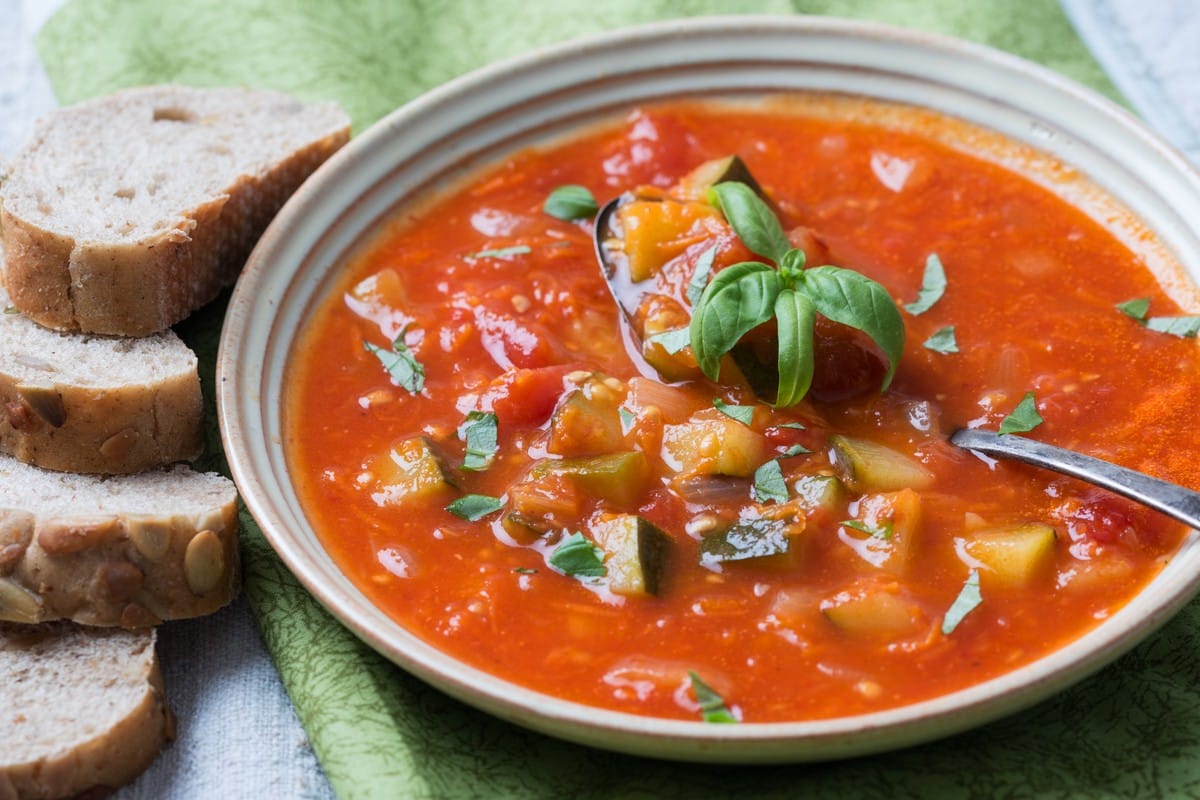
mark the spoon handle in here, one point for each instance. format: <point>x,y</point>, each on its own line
<point>1175,501</point>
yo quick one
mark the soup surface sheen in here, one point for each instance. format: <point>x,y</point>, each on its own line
<point>503,306</point>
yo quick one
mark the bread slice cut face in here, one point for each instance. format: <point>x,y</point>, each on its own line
<point>124,214</point>
<point>124,550</point>
<point>82,709</point>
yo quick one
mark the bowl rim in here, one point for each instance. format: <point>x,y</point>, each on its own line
<point>243,433</point>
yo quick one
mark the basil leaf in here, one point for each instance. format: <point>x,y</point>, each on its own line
<point>966,602</point>
<point>570,203</point>
<point>712,705</point>
<point>474,507</point>
<point>795,450</point>
<point>798,426</point>
<point>933,285</point>
<point>796,316</point>
<point>1185,327</point>
<point>942,341</point>
<point>738,299</point>
<point>627,417</point>
<point>752,219</point>
<point>671,341</point>
<point>855,300</point>
<point>1136,308</point>
<point>700,275</point>
<point>503,252</point>
<point>743,414</point>
<point>882,530</point>
<point>1023,418</point>
<point>576,556</point>
<point>480,432</point>
<point>769,483</point>
<point>403,368</point>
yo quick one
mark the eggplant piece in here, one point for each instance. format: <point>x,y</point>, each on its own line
<point>636,552</point>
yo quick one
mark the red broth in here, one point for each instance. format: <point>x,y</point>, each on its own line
<point>504,307</point>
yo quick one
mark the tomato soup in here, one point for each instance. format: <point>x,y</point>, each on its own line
<point>557,495</point>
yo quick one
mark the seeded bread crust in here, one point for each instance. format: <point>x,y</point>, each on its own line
<point>162,208</point>
<point>83,710</point>
<point>80,403</point>
<point>129,551</point>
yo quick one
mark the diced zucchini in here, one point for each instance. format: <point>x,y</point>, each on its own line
<point>714,445</point>
<point>1016,555</point>
<point>875,611</point>
<point>867,466</point>
<point>696,183</point>
<point>655,231</point>
<point>765,541</point>
<point>619,478</point>
<point>412,470</point>
<point>819,493</point>
<point>636,551</point>
<point>890,522</point>
<point>587,420</point>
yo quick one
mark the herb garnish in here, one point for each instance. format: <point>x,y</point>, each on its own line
<point>933,286</point>
<point>745,295</point>
<point>525,571</point>
<point>474,507</point>
<point>769,483</point>
<point>404,369</point>
<point>503,252</point>
<point>571,203</point>
<point>480,432</point>
<point>627,417</point>
<point>671,341</point>
<point>700,275</point>
<point>942,341</point>
<point>881,530</point>
<point>1186,327</point>
<point>1024,417</point>
<point>743,414</point>
<point>796,450</point>
<point>966,602</point>
<point>712,705</point>
<point>576,556</point>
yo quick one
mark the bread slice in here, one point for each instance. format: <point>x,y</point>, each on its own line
<point>128,550</point>
<point>82,403</point>
<point>83,709</point>
<point>124,214</point>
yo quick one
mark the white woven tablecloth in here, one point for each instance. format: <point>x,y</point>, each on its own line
<point>238,735</point>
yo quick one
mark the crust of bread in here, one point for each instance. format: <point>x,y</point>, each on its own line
<point>83,759</point>
<point>110,567</point>
<point>139,287</point>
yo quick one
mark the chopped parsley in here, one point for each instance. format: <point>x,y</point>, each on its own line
<point>795,450</point>
<point>712,705</point>
<point>933,286</point>
<point>942,341</point>
<point>403,368</point>
<point>1024,417</point>
<point>480,432</point>
<point>769,484</point>
<point>880,530</point>
<point>571,203</point>
<point>1186,327</point>
<point>743,414</point>
<point>1135,308</point>
<point>473,507</point>
<point>577,557</point>
<point>671,341</point>
<point>966,602</point>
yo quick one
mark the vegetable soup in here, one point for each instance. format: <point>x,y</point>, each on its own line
<point>738,502</point>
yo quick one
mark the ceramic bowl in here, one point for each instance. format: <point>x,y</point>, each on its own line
<point>468,122</point>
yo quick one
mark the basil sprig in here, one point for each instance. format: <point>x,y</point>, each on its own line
<point>745,295</point>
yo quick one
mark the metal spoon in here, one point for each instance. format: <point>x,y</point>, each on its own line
<point>1169,498</point>
<point>617,280</point>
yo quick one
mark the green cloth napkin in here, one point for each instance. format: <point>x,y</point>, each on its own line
<point>1131,731</point>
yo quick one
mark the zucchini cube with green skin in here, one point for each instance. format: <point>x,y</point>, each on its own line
<point>767,542</point>
<point>636,551</point>
<point>620,478</point>
<point>410,471</point>
<point>695,184</point>
<point>878,611</point>
<point>714,445</point>
<point>587,420</point>
<point>867,466</point>
<point>1014,555</point>
<point>819,493</point>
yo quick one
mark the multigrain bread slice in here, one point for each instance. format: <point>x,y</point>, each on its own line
<point>128,550</point>
<point>98,404</point>
<point>82,709</point>
<point>124,214</point>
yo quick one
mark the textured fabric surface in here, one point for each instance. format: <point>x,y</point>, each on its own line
<point>1132,731</point>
